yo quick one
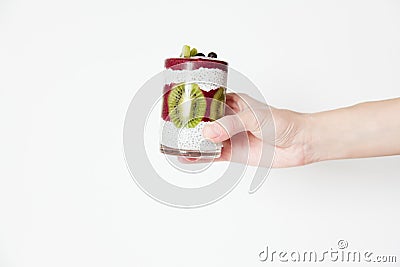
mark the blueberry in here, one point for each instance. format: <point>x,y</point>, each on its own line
<point>199,55</point>
<point>212,55</point>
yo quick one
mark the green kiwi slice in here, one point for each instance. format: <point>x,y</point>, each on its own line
<point>187,105</point>
<point>193,52</point>
<point>217,108</point>
<point>185,51</point>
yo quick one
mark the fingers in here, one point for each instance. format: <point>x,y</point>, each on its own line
<point>240,102</point>
<point>194,160</point>
<point>244,114</point>
<point>197,160</point>
<point>236,102</point>
<point>227,126</point>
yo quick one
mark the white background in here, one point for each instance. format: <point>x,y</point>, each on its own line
<point>68,70</point>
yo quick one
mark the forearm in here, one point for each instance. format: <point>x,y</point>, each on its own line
<point>364,130</point>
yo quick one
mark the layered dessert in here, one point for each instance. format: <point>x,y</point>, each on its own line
<point>193,96</point>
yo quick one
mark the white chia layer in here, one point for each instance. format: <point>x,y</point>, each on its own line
<point>207,78</point>
<point>186,138</point>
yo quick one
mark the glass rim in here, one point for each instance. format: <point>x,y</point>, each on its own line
<point>181,60</point>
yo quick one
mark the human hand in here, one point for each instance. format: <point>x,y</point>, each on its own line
<point>255,129</point>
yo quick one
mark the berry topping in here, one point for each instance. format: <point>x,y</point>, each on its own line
<point>199,55</point>
<point>212,55</point>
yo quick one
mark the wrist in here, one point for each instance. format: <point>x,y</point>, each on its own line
<point>329,135</point>
<point>310,149</point>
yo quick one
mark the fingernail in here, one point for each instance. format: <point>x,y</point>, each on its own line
<point>211,131</point>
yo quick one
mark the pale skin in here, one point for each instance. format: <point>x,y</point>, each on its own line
<point>370,129</point>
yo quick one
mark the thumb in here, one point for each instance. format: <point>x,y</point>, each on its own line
<point>227,126</point>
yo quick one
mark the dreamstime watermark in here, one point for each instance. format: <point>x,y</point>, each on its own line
<point>340,254</point>
<point>149,181</point>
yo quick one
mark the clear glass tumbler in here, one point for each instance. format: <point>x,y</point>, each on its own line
<point>193,96</point>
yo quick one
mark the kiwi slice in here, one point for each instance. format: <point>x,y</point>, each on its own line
<point>187,105</point>
<point>217,104</point>
<point>185,51</point>
<point>193,52</point>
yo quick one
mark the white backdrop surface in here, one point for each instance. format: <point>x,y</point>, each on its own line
<point>68,71</point>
